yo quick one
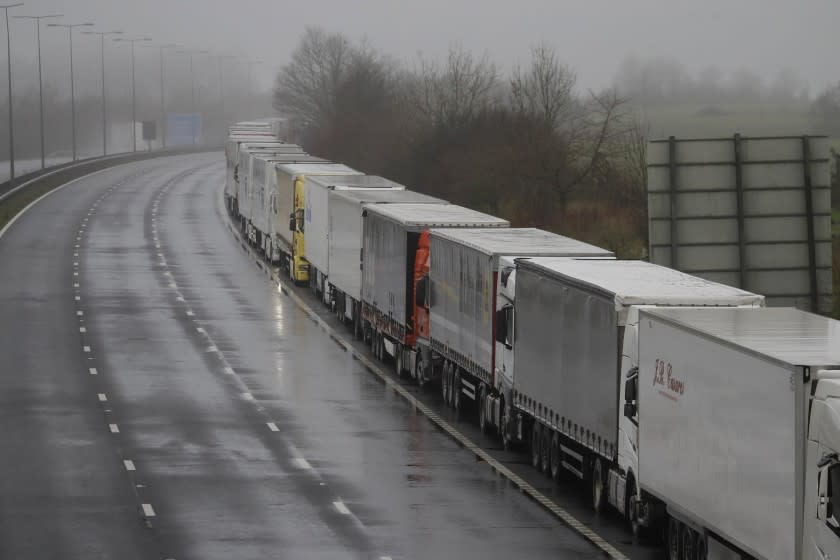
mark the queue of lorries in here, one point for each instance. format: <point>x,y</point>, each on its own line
<point>686,405</point>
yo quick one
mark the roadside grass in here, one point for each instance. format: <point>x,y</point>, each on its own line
<point>10,207</point>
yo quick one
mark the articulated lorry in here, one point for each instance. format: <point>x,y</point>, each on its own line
<point>730,432</point>
<point>252,180</point>
<point>394,254</point>
<point>287,229</point>
<point>317,224</point>
<point>346,219</point>
<point>461,308</point>
<point>233,152</point>
<point>564,330</point>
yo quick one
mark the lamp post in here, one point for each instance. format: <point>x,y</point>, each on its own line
<point>37,20</point>
<point>133,91</point>
<point>162,93</point>
<point>192,90</point>
<point>5,8</point>
<point>69,27</point>
<point>102,35</point>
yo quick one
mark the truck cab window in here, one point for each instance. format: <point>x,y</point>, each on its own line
<point>832,518</point>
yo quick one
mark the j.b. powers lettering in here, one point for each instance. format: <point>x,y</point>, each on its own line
<point>663,376</point>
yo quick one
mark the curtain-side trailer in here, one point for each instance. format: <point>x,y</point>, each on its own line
<point>463,272</point>
<point>346,209</point>
<point>571,321</point>
<point>394,250</point>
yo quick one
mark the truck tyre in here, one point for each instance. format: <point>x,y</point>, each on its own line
<point>456,392</point>
<point>536,437</point>
<point>398,359</point>
<point>482,410</point>
<point>505,428</point>
<point>629,493</point>
<point>689,543</point>
<point>545,450</point>
<point>598,486</point>
<point>555,456</point>
<point>673,539</point>
<point>444,383</point>
<point>357,326</point>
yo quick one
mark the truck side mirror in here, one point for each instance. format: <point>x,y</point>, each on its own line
<point>630,386</point>
<point>292,223</point>
<point>501,326</point>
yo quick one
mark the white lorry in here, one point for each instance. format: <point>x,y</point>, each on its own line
<point>463,271</point>
<point>395,256</point>
<point>562,325</point>
<point>317,224</point>
<point>346,209</point>
<point>730,431</point>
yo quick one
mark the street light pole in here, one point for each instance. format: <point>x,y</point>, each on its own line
<point>192,91</point>
<point>133,92</point>
<point>162,93</point>
<point>69,27</point>
<point>104,102</point>
<point>37,20</point>
<point>5,8</point>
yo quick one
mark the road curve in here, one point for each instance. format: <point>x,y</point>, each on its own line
<point>162,400</point>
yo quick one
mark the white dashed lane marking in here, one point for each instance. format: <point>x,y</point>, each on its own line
<point>129,465</point>
<point>303,463</point>
<point>273,427</point>
<point>114,428</point>
<point>148,510</point>
<point>102,397</point>
<point>82,330</point>
<point>92,371</point>
<point>86,348</point>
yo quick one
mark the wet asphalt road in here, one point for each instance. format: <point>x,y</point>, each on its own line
<point>162,400</point>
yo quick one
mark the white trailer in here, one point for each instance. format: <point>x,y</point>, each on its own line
<point>736,417</point>
<point>571,321</point>
<point>232,155</point>
<point>288,229</point>
<point>262,196</point>
<point>395,254</point>
<point>317,230</point>
<point>346,209</point>
<point>463,271</point>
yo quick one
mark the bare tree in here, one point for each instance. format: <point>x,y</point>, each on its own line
<point>545,90</point>
<point>456,93</point>
<point>307,86</point>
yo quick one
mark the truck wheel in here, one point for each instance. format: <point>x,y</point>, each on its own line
<point>689,542</point>
<point>398,360</point>
<point>482,410</point>
<point>629,494</point>
<point>598,486</point>
<point>673,542</point>
<point>545,451</point>
<point>444,383</point>
<point>536,437</point>
<point>555,456</point>
<point>505,428</point>
<point>456,392</point>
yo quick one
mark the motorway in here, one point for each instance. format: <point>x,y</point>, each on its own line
<point>162,399</point>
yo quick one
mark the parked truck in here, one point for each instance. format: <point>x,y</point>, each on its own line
<point>346,209</point>
<point>317,229</point>
<point>250,186</point>
<point>394,254</point>
<point>262,195</point>
<point>461,310</point>
<point>233,153</point>
<point>731,432</point>
<point>287,229</point>
<point>563,329</point>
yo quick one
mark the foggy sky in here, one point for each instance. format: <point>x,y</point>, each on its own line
<point>592,36</point>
